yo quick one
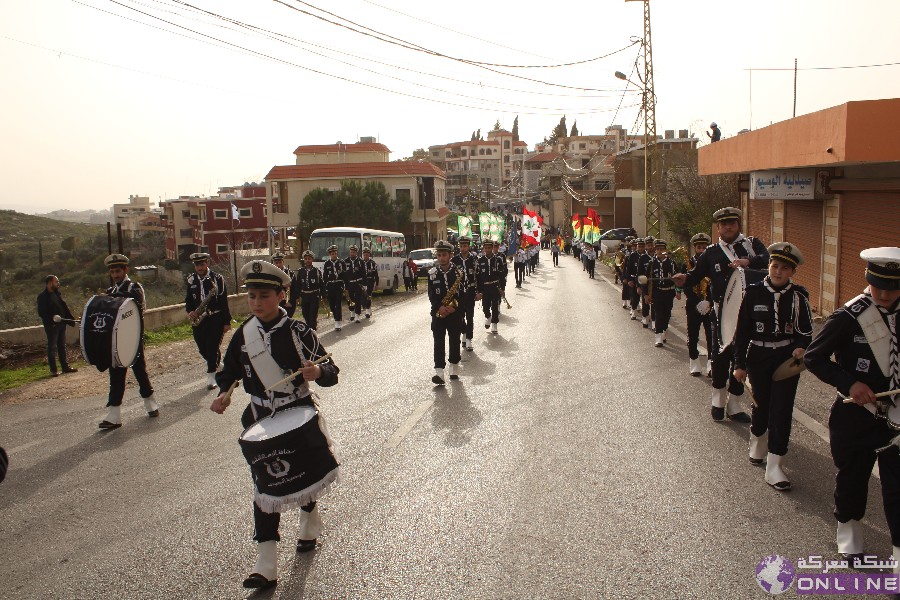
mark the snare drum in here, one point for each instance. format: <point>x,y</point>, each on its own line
<point>291,458</point>
<point>731,302</point>
<point>111,332</point>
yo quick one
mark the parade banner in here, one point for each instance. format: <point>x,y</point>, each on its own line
<point>576,228</point>
<point>493,227</point>
<point>591,229</point>
<point>464,226</point>
<point>531,229</point>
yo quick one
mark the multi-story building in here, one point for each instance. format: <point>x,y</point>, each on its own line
<point>210,225</point>
<point>326,166</point>
<point>129,215</point>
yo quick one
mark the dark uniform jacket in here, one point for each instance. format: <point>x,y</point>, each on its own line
<point>193,297</point>
<point>713,263</point>
<point>354,271</point>
<point>307,281</point>
<point>843,336</point>
<point>439,284</point>
<point>630,270</point>
<point>333,273</point>
<point>370,268</point>
<point>757,319</point>
<point>129,289</point>
<point>661,271</point>
<point>690,291</point>
<point>470,267</point>
<point>490,271</point>
<point>50,304</point>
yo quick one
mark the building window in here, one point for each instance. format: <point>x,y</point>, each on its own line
<point>448,154</point>
<point>186,233</point>
<point>403,195</point>
<point>186,214</point>
<point>221,248</point>
<point>582,146</point>
<point>246,212</point>
<point>247,246</point>
<point>463,152</point>
<point>436,154</point>
<point>506,158</point>
<point>220,213</point>
<point>124,210</point>
<point>481,151</point>
<point>202,248</point>
<point>601,184</point>
<point>507,172</point>
<point>506,144</point>
<point>585,162</point>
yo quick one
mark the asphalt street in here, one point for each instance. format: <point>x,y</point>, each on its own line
<point>572,459</point>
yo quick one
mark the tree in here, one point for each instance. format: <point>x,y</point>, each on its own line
<point>68,244</point>
<point>356,204</point>
<point>515,129</point>
<point>574,131</point>
<point>478,136</point>
<point>691,199</point>
<point>418,154</point>
<point>558,132</point>
<point>497,126</point>
<point>473,137</point>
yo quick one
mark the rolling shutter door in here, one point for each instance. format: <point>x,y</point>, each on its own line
<point>868,220</point>
<point>759,220</point>
<point>804,226</point>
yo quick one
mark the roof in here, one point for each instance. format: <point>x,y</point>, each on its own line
<point>326,148</point>
<point>412,168</point>
<point>520,143</point>
<point>543,157</point>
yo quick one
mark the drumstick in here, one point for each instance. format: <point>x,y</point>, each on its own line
<point>297,372</point>
<point>848,400</point>
<point>226,399</point>
<point>59,319</point>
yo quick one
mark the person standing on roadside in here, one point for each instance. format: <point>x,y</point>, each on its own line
<point>55,315</point>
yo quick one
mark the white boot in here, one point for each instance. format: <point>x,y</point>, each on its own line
<point>645,321</point>
<point>113,418</point>
<point>665,337</point>
<point>487,322</point>
<point>653,325</point>
<point>338,325</point>
<point>718,404</point>
<point>758,448</point>
<point>734,411</point>
<point>708,367</point>
<point>151,406</point>
<point>659,340</point>
<point>493,328</point>
<point>310,528</point>
<point>633,316</point>
<point>352,317</point>
<point>210,381</point>
<point>368,314</point>
<point>469,345</point>
<point>695,367</point>
<point>267,561</point>
<point>850,537</point>
<point>454,371</point>
<point>438,378</point>
<point>774,475</point>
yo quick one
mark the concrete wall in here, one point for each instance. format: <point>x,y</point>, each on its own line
<point>154,318</point>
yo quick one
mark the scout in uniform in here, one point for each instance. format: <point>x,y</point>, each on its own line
<point>697,309</point>
<point>370,268</point>
<point>446,283</point>
<point>774,326</point>
<point>289,303</point>
<point>285,346</point>
<point>631,272</point>
<point>468,262</point>
<point>862,338</point>
<point>117,264</point>
<point>206,303</point>
<point>647,311</point>
<point>629,249</point>
<point>491,283</point>
<point>717,263</point>
<point>307,286</point>
<point>662,290</point>
<point>354,276</point>
<point>333,278</point>
<point>519,266</point>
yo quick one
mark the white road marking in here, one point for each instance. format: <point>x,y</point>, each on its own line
<point>408,425</point>
<point>25,446</point>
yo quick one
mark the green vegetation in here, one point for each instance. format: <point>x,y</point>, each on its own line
<point>10,378</point>
<point>176,333</point>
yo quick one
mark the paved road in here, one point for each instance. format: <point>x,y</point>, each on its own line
<point>572,460</point>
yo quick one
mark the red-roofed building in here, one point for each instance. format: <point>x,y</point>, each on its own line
<point>196,224</point>
<point>326,166</point>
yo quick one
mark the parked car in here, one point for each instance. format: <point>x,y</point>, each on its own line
<point>424,259</point>
<point>609,240</point>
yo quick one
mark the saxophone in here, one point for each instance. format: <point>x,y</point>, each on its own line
<point>701,290</point>
<point>449,299</point>
<point>201,310</point>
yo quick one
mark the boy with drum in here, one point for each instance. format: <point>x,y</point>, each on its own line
<point>206,299</point>
<point>861,336</point>
<point>264,348</point>
<point>774,327</point>
<point>117,264</point>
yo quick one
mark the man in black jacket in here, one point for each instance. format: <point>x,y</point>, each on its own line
<point>55,315</point>
<point>206,303</point>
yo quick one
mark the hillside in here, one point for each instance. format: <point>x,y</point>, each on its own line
<point>18,228</point>
<point>98,217</point>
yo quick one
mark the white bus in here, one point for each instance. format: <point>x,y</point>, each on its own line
<point>388,250</point>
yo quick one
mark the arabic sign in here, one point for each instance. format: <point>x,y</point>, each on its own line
<point>794,184</point>
<point>776,574</point>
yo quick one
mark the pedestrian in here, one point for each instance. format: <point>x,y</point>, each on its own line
<point>354,277</point>
<point>333,278</point>
<point>468,262</point>
<point>862,338</point>
<point>370,280</point>
<point>519,266</point>
<point>307,287</point>
<point>124,287</point>
<point>446,282</point>
<point>289,304</point>
<point>697,307</point>
<point>262,349</point>
<point>716,134</point>
<point>206,303</point>
<point>409,273</point>
<point>662,290</point>
<point>56,316</point>
<point>491,283</point>
<point>554,249</point>
<point>774,326</point>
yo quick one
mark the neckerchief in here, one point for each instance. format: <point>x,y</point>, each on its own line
<point>890,318</point>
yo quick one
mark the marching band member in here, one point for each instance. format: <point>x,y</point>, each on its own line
<point>661,269</point>
<point>774,325</point>
<point>288,346</point>
<point>491,283</point>
<point>862,338</point>
<point>307,286</point>
<point>697,308</point>
<point>289,303</point>
<point>446,282</point>
<point>647,310</point>
<point>354,275</point>
<point>333,278</point>
<point>717,263</point>
<point>468,262</point>
<point>630,248</point>
<point>215,314</point>
<point>519,266</point>
<point>370,268</point>
<point>631,272</point>
<point>591,260</point>
<point>122,286</point>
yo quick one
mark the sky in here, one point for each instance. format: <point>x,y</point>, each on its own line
<point>107,98</point>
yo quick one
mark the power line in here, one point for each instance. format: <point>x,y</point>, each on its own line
<point>892,64</point>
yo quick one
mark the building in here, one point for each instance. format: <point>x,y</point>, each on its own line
<point>326,166</point>
<point>208,225</point>
<point>828,181</point>
<point>129,215</point>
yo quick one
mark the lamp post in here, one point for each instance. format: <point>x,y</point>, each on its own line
<point>648,107</point>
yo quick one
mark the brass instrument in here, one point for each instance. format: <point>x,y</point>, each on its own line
<point>508,305</point>
<point>201,310</point>
<point>449,299</point>
<point>350,303</point>
<point>619,259</point>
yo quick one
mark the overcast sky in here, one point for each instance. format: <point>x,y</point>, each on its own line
<point>102,98</point>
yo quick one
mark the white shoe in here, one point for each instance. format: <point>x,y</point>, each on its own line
<point>368,314</point>
<point>454,371</point>
<point>211,381</point>
<point>850,537</point>
<point>338,325</point>
<point>633,317</point>
<point>665,337</point>
<point>695,367</point>
<point>151,406</point>
<point>487,322</point>
<point>112,419</point>
<point>310,524</point>
<point>659,340</point>
<point>758,448</point>
<point>774,475</point>
<point>653,325</point>
<point>494,328</point>
<point>352,317</point>
<point>708,367</point>
<point>267,561</point>
<point>645,321</point>
<point>438,378</point>
<point>469,345</point>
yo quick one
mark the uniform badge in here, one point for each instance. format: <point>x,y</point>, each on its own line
<point>862,365</point>
<point>860,339</point>
<point>257,267</point>
<point>789,328</point>
<point>858,307</point>
<point>718,268</point>
<point>760,327</point>
<point>760,308</point>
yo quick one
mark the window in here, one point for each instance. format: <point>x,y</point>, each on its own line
<point>582,146</point>
<point>221,248</point>
<point>186,233</point>
<point>186,214</point>
<point>481,151</point>
<point>436,154</point>
<point>507,172</point>
<point>585,162</point>
<point>220,213</point>
<point>403,195</point>
<point>601,185</point>
<point>448,154</point>
<point>506,158</point>
<point>202,248</point>
<point>463,152</point>
<point>506,145</point>
<point>247,246</point>
<point>246,212</point>
<point>124,210</point>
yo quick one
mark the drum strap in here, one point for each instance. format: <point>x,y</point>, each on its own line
<point>258,345</point>
<point>890,319</point>
<point>878,335</point>
<point>728,249</point>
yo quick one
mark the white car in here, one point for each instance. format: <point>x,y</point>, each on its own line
<point>424,259</point>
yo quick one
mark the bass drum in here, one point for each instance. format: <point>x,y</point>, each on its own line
<point>731,302</point>
<point>111,332</point>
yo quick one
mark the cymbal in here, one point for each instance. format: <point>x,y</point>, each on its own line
<point>789,368</point>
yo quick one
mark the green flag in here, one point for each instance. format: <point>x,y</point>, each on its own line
<point>464,226</point>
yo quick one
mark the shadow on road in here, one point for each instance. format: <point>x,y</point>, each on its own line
<point>456,414</point>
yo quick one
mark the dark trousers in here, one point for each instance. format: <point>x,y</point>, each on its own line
<point>356,295</point>
<point>855,436</point>
<point>309,306</point>
<point>289,308</point>
<point>467,309</point>
<point>645,306</point>
<point>774,400</point>
<point>626,291</point>
<point>335,295</point>
<point>408,283</point>
<point>634,293</point>
<point>694,321</point>
<point>208,337</point>
<point>721,367</point>
<point>490,303</point>
<point>56,345</point>
<point>590,267</point>
<point>519,269</point>
<point>367,295</point>
<point>663,300</point>
<point>555,259</point>
<point>449,327</point>
<point>117,379</point>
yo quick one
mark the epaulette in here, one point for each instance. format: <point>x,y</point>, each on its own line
<point>856,306</point>
<point>190,278</point>
<point>432,271</point>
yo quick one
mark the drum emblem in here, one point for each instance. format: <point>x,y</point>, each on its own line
<point>100,321</point>
<point>278,468</point>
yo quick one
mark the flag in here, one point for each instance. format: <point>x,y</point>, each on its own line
<point>484,225</point>
<point>590,231</point>
<point>531,229</point>
<point>513,244</point>
<point>235,213</point>
<point>501,227</point>
<point>576,228</point>
<point>464,226</point>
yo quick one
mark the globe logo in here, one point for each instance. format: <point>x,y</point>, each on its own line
<point>775,574</point>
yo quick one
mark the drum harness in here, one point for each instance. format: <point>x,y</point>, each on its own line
<point>794,319</point>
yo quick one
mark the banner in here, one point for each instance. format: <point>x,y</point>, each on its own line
<point>493,227</point>
<point>464,226</point>
<point>531,229</point>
